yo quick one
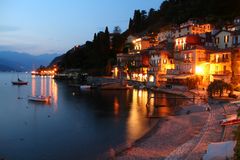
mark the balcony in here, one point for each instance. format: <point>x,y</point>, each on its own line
<point>182,58</point>
<point>222,73</point>
<point>153,69</point>
<point>202,59</point>
<point>172,72</point>
<point>220,60</point>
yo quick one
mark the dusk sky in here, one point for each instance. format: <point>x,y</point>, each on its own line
<point>54,26</point>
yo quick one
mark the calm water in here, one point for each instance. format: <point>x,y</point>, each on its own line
<point>80,126</point>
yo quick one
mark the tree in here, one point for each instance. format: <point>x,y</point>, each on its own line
<point>151,12</point>
<point>117,30</point>
<point>107,39</point>
<point>130,25</point>
<point>218,87</point>
<point>118,43</point>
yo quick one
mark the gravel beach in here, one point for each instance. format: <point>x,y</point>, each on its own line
<point>185,136</point>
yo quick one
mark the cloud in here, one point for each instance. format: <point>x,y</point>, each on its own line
<point>5,28</point>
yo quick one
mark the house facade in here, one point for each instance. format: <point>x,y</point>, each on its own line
<point>223,39</point>
<point>187,51</point>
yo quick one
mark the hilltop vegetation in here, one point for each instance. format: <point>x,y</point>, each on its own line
<point>96,57</point>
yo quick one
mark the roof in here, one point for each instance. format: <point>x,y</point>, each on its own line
<point>221,31</point>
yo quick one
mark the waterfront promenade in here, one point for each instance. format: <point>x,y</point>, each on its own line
<point>185,136</point>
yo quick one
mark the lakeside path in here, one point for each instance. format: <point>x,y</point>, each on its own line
<point>182,137</point>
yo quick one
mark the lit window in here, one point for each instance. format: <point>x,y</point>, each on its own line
<point>151,78</point>
<point>226,39</point>
<point>176,41</point>
<point>164,61</point>
<point>217,58</point>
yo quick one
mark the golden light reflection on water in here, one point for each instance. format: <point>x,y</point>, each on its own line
<point>33,85</point>
<point>136,114</point>
<point>54,93</point>
<point>47,87</point>
<point>116,106</point>
<point>164,109</point>
<point>139,112</point>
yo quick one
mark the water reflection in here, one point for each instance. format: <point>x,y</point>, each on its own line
<point>33,85</point>
<point>94,119</point>
<point>135,127</point>
<point>148,105</point>
<point>116,106</point>
<point>47,87</point>
<point>54,93</point>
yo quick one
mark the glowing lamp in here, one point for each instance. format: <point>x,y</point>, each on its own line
<point>199,70</point>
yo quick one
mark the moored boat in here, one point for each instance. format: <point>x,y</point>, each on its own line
<point>45,99</point>
<point>85,87</point>
<point>19,82</point>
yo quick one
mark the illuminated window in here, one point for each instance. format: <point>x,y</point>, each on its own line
<point>217,58</point>
<point>164,61</point>
<point>151,78</point>
<point>216,69</point>
<point>226,39</point>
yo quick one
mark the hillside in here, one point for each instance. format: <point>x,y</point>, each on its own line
<point>97,57</point>
<point>15,61</point>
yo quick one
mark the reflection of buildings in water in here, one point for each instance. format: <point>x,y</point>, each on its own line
<point>43,86</point>
<point>160,107</point>
<point>137,113</point>
<point>54,93</point>
<point>33,85</point>
<point>164,111</point>
<point>116,106</point>
<point>48,87</point>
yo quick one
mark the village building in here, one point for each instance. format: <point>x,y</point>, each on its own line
<point>160,62</point>
<point>191,27</point>
<point>175,56</point>
<point>223,39</point>
<point>220,66</point>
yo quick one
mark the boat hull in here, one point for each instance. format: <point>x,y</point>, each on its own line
<point>19,83</point>
<point>40,99</point>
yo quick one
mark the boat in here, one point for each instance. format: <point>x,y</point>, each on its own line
<point>45,99</point>
<point>230,120</point>
<point>85,87</point>
<point>19,82</point>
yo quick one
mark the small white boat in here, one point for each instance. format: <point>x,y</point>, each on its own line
<point>85,87</point>
<point>45,99</point>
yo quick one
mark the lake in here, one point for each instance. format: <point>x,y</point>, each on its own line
<point>76,125</point>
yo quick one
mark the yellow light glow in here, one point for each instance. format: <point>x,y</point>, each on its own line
<point>115,72</point>
<point>151,78</point>
<point>199,70</point>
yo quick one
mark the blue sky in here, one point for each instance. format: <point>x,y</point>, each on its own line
<point>50,26</point>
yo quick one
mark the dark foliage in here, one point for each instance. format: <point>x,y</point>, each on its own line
<point>97,56</point>
<point>171,12</point>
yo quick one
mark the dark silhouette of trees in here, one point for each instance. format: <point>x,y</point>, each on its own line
<point>99,54</point>
<point>217,87</point>
<point>179,11</point>
<point>117,30</point>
